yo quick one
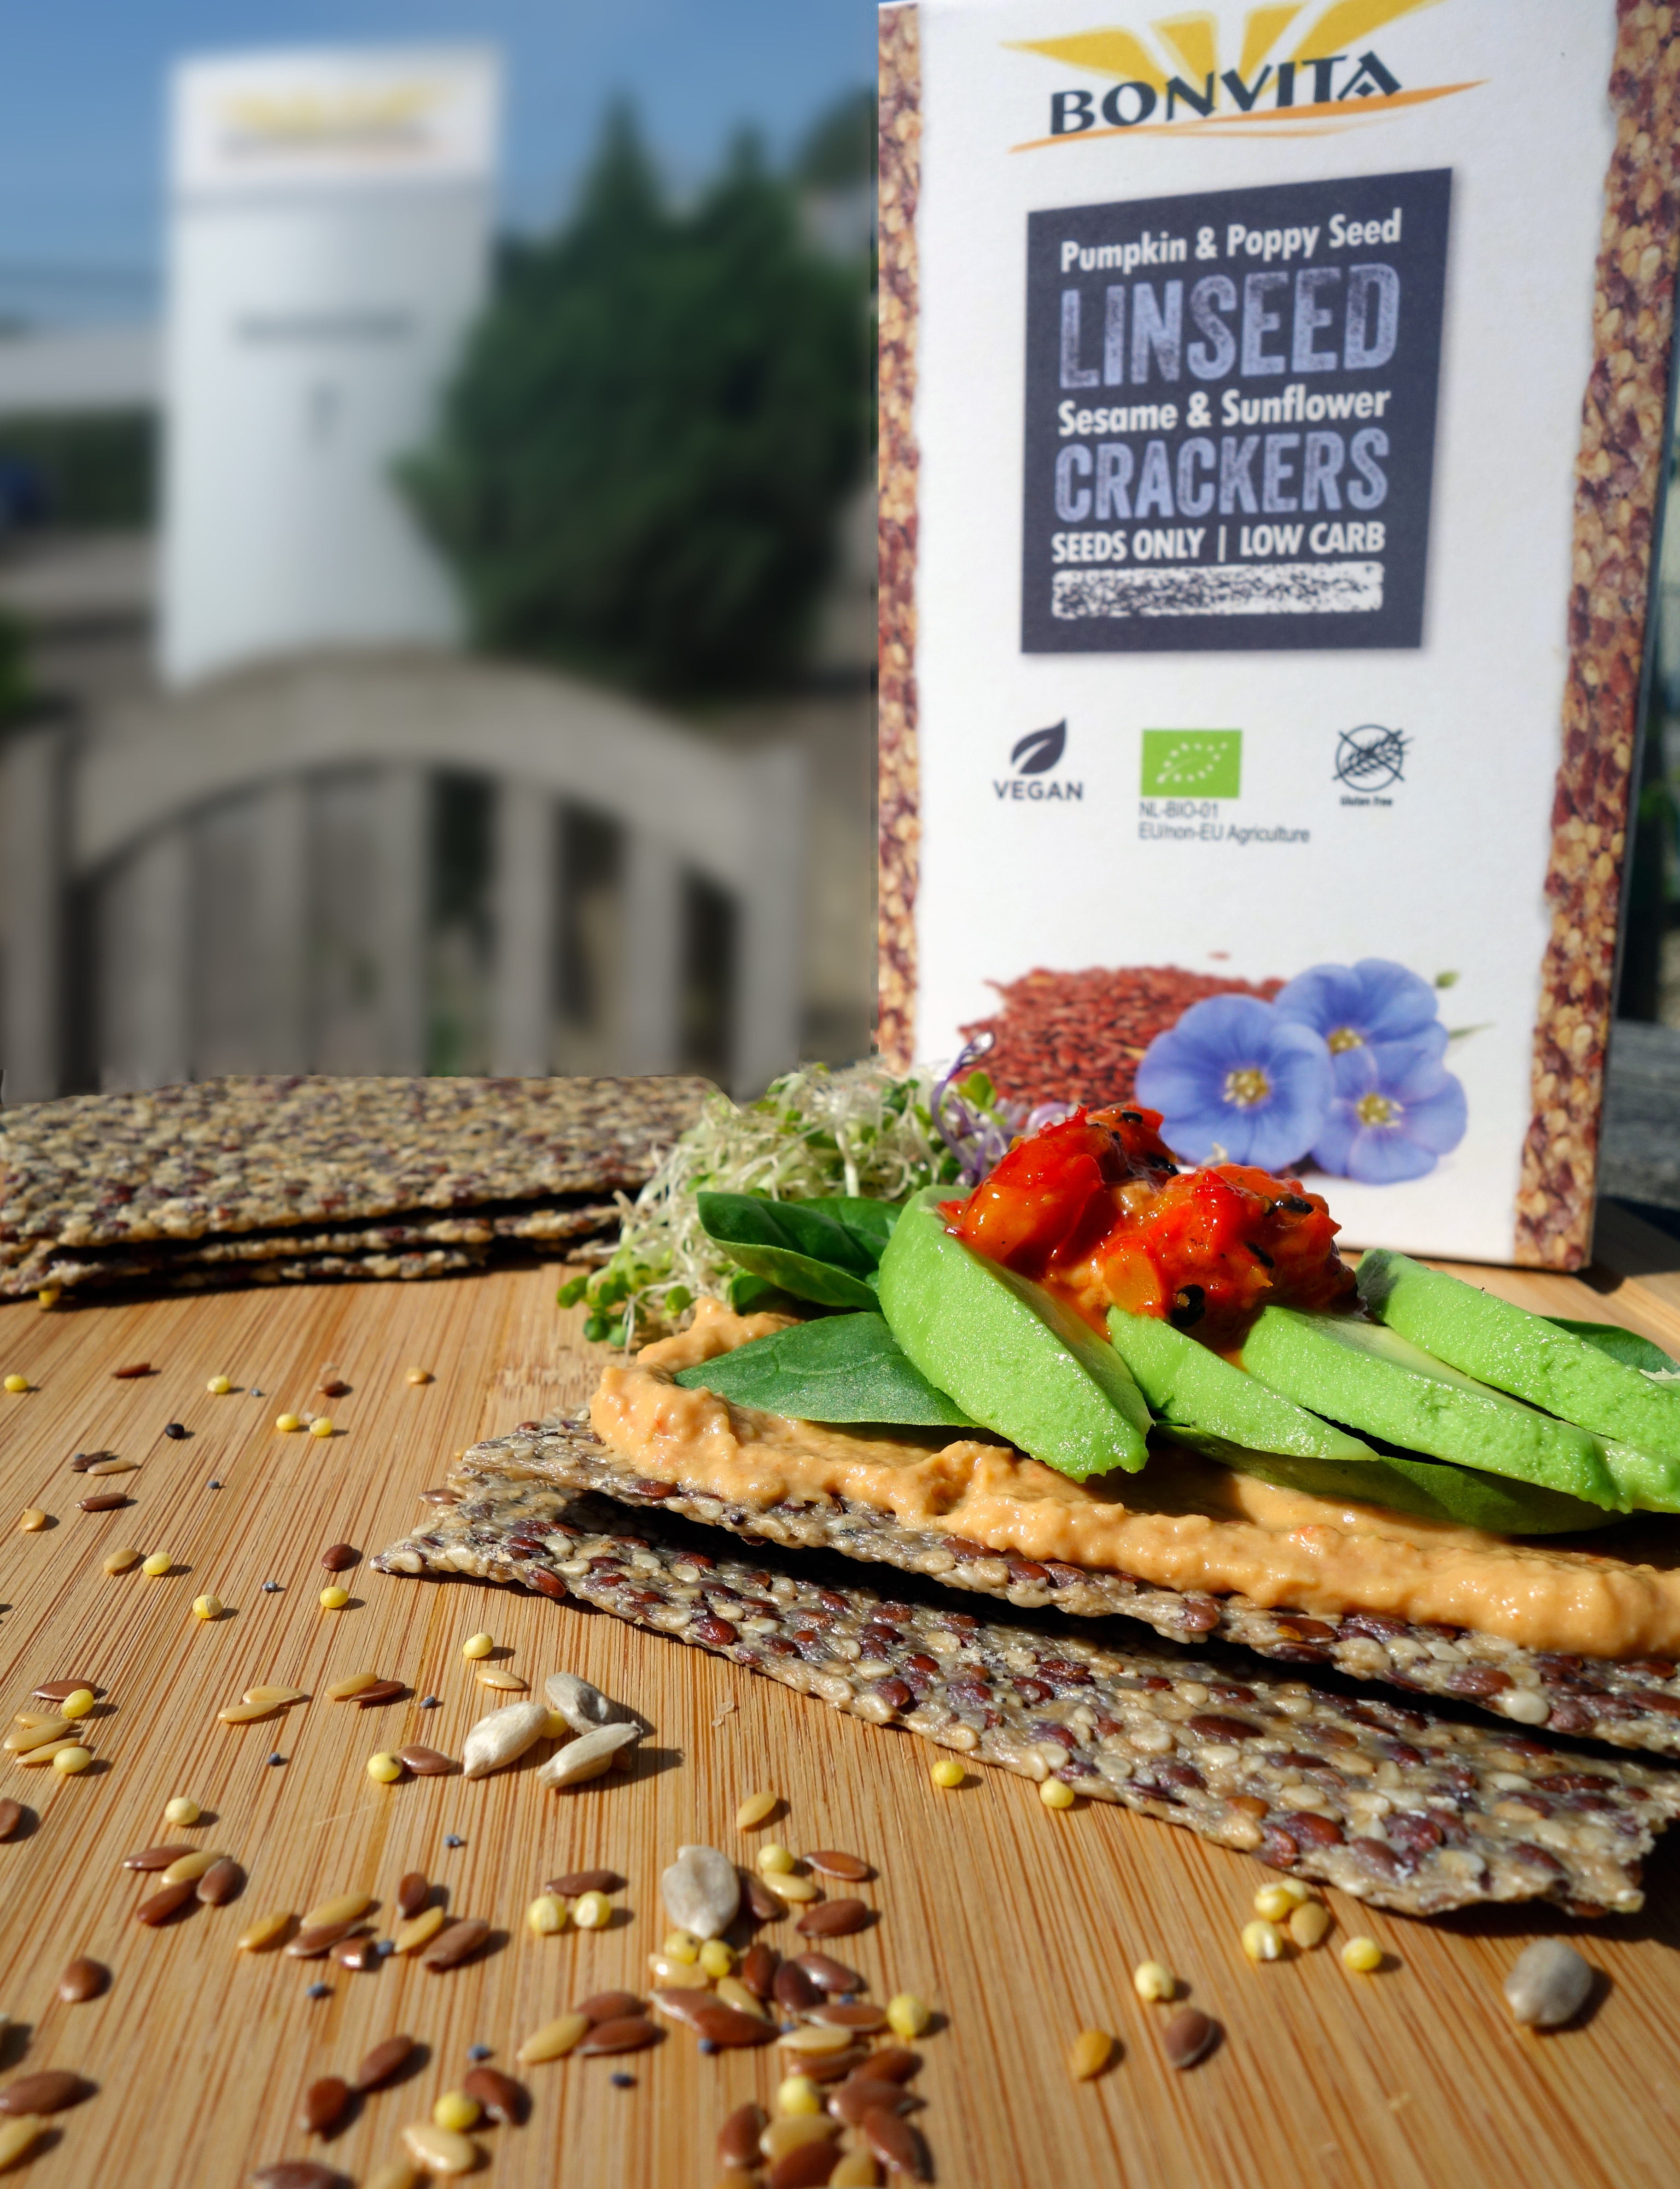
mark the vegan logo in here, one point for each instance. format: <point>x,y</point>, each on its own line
<point>1193,763</point>
<point>1370,758</point>
<point>1037,752</point>
<point>1034,756</point>
<point>1179,83</point>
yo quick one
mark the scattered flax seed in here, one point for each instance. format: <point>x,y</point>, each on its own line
<point>504,2100</point>
<point>121,1562</point>
<point>756,1809</point>
<point>337,1556</point>
<point>1188,2035</point>
<point>133,1369</point>
<point>1309,1924</point>
<point>162,1904</point>
<point>219,1386</point>
<point>382,2062</point>
<point>103,1501</point>
<point>220,1882</point>
<point>384,1769</point>
<point>181,1810</point>
<point>439,2150</point>
<point>18,2134</point>
<point>11,1816</point>
<point>31,1520</point>
<point>324,2105</point>
<point>907,2015</point>
<point>157,1564</point>
<point>207,1607</point>
<point>1155,1981</point>
<point>948,1772</point>
<point>1092,2050</point>
<point>478,1645</point>
<point>335,1598</point>
<point>493,1676</point>
<point>1057,1794</point>
<point>1363,1956</point>
<point>84,1978</point>
<point>419,1930</point>
<point>553,2041</point>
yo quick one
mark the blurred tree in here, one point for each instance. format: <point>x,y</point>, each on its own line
<point>839,151</point>
<point>644,454</point>
<point>16,691</point>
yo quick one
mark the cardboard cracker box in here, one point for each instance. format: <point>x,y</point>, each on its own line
<point>1274,404</point>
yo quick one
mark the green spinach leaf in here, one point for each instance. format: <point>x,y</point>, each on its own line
<point>825,1251</point>
<point>842,1368</point>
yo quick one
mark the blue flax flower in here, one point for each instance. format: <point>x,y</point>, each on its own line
<point>1236,1083</point>
<point>1374,1006</point>
<point>1386,1125</point>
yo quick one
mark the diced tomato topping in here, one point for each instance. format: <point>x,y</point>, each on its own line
<point>1095,1209</point>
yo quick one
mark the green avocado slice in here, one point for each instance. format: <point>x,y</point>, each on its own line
<point>1189,1387</point>
<point>1532,1359</point>
<point>1011,1356</point>
<point>1372,1379</point>
<point>1426,1487</point>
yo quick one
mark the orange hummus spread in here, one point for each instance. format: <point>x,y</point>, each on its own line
<point>1183,1522</point>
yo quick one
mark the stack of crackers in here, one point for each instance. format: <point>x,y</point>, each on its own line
<point>287,1180</point>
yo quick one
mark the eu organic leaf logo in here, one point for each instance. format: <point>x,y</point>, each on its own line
<point>1037,752</point>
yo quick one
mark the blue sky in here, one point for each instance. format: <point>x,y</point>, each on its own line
<point>81,105</point>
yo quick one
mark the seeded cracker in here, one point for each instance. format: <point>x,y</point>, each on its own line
<point>1394,1807</point>
<point>1635,1704</point>
<point>226,1158</point>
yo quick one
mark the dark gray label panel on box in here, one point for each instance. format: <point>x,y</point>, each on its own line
<point>1230,417</point>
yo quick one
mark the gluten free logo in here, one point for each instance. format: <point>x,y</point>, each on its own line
<point>1370,758</point>
<point>1193,764</point>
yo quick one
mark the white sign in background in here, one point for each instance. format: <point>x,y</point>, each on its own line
<point>329,251</point>
<point>1448,878</point>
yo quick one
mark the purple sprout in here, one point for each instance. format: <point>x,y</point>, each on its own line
<point>978,1136</point>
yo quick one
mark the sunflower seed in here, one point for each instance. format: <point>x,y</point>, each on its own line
<point>501,1738</point>
<point>588,1757</point>
<point>702,1891</point>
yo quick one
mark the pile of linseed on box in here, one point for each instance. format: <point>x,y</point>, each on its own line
<point>1080,1037</point>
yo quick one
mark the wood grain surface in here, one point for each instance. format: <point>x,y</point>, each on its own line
<point>1020,1926</point>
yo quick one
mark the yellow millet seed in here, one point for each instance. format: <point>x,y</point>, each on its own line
<point>680,1946</point>
<point>182,1810</point>
<point>547,1915</point>
<point>907,2015</point>
<point>322,1426</point>
<point>775,1859</point>
<point>456,2110</point>
<point>1262,1941</point>
<point>70,1761</point>
<point>420,1375</point>
<point>50,1295</point>
<point>717,1958</point>
<point>1277,1902</point>
<point>1057,1794</point>
<point>219,1386</point>
<point>947,1771</point>
<point>478,1645</point>
<point>287,1422</point>
<point>78,1704</point>
<point>157,1564</point>
<point>1361,1956</point>
<point>798,2095</point>
<point>1309,1924</point>
<point>1093,2049</point>
<point>1155,1981</point>
<point>335,1598</point>
<point>385,1769</point>
<point>206,1607</point>
<point>17,1383</point>
<point>593,1912</point>
<point>557,1728</point>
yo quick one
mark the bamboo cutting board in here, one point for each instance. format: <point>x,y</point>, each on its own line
<point>1018,1925</point>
